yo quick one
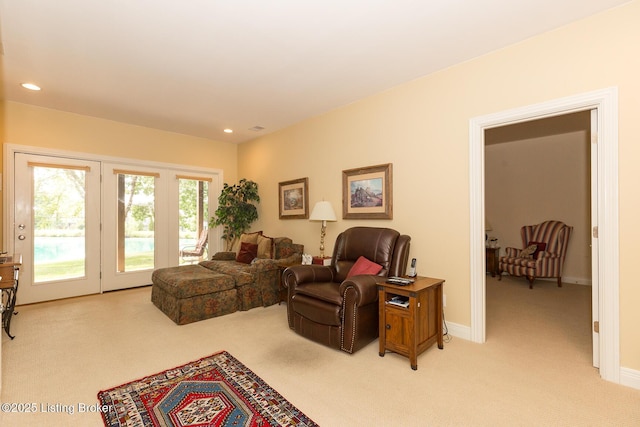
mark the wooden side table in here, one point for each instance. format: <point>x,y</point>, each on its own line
<point>321,260</point>
<point>493,257</point>
<point>411,330</point>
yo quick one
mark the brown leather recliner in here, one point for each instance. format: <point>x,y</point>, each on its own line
<point>324,306</point>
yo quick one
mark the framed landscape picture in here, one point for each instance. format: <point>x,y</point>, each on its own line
<point>367,192</point>
<point>294,199</point>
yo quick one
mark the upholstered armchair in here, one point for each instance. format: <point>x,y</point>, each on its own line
<point>543,253</point>
<point>329,305</point>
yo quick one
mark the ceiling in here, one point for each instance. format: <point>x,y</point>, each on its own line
<point>197,67</point>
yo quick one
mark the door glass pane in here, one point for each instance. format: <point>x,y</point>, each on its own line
<point>59,223</point>
<point>194,211</point>
<point>136,222</point>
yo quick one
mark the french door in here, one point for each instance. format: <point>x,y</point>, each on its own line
<point>85,224</point>
<point>56,226</point>
<point>134,239</point>
<point>149,215</point>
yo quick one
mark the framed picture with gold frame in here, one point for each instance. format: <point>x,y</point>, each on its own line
<point>293,199</point>
<point>367,193</point>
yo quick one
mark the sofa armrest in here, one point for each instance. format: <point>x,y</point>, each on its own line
<point>283,247</point>
<point>224,256</point>
<point>264,264</point>
<point>289,261</point>
<point>366,287</point>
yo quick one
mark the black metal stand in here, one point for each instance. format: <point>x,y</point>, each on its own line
<point>8,305</point>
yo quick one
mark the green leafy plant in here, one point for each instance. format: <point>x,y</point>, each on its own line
<point>236,210</point>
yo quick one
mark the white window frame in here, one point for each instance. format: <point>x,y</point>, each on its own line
<point>170,219</point>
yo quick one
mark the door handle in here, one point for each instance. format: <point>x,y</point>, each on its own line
<point>21,237</point>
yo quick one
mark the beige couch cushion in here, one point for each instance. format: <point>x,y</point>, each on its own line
<point>246,238</point>
<point>265,247</point>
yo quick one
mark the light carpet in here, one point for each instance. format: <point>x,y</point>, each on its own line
<point>534,370</point>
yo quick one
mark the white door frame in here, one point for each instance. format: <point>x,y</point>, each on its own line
<point>606,194</point>
<point>164,260</point>
<point>89,281</point>
<point>595,241</point>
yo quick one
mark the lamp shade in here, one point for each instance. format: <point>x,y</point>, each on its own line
<point>323,211</point>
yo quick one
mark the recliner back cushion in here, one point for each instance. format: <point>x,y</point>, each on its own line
<point>375,244</point>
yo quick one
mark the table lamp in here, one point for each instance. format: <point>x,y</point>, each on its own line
<point>322,211</point>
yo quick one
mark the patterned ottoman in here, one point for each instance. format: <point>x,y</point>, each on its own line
<point>190,293</point>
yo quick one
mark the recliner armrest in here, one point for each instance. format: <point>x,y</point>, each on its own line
<point>366,286</point>
<point>299,274</point>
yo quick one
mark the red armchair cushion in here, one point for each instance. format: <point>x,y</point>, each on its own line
<point>364,266</point>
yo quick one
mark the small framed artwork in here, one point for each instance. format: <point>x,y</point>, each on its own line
<point>294,199</point>
<point>367,192</point>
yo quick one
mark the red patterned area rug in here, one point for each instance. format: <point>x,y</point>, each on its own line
<point>214,391</point>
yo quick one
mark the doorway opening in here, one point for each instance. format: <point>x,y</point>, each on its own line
<point>604,191</point>
<point>536,171</point>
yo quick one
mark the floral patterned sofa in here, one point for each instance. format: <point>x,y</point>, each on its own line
<point>228,282</point>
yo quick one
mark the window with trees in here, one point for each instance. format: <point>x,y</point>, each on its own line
<point>136,220</point>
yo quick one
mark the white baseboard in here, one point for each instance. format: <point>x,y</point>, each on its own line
<point>630,378</point>
<point>459,331</point>
<point>575,280</point>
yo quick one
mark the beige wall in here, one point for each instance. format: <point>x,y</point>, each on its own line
<point>52,129</point>
<point>422,128</point>
<point>529,180</point>
<point>46,128</point>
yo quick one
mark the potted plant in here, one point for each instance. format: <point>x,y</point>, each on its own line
<point>236,210</point>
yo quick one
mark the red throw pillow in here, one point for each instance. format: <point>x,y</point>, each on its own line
<point>248,251</point>
<point>364,266</point>
<point>541,247</point>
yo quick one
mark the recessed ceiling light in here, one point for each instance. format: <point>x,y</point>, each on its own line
<point>228,131</point>
<point>30,86</point>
